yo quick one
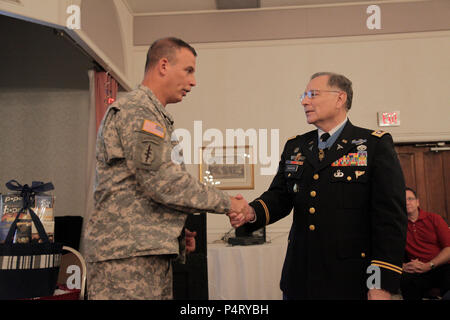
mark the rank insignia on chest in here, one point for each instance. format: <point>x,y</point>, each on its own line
<point>352,159</point>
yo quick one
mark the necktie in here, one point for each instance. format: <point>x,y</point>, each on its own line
<point>324,137</point>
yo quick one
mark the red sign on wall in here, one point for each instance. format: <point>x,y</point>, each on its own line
<point>389,119</point>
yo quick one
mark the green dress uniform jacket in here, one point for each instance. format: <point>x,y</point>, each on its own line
<point>349,213</point>
<point>142,192</point>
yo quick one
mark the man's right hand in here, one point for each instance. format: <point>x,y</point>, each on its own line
<point>240,212</point>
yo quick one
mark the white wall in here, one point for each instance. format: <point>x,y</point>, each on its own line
<point>258,84</point>
<point>44,137</point>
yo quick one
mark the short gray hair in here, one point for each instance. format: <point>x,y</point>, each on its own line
<point>338,81</point>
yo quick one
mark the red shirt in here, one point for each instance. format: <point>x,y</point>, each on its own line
<point>427,236</point>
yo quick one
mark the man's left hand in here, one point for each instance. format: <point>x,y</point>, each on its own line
<point>416,266</point>
<point>190,240</point>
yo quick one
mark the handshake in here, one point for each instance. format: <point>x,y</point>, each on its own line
<point>240,212</point>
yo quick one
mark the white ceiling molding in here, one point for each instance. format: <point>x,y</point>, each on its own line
<point>164,7</point>
<point>16,2</point>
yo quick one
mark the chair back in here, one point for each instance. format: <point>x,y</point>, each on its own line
<point>72,271</point>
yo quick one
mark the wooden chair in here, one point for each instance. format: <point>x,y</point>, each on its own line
<point>72,272</point>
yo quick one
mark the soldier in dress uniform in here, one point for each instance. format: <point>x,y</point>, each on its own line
<point>142,197</point>
<point>346,187</point>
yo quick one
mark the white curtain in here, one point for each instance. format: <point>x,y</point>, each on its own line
<point>90,167</point>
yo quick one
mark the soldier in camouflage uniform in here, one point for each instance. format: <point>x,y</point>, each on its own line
<point>142,197</point>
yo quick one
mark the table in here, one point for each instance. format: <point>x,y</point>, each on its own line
<point>245,272</point>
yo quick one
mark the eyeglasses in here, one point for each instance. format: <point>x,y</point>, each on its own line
<point>410,199</point>
<point>314,93</point>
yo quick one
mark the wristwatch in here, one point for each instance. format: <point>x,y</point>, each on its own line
<point>432,265</point>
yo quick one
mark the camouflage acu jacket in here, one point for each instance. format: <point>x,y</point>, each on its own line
<point>142,197</point>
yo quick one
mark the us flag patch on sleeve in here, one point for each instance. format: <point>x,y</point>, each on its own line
<point>153,128</point>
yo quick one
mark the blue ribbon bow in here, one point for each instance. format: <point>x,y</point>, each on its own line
<point>27,193</point>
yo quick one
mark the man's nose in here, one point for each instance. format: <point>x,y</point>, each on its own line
<point>306,101</point>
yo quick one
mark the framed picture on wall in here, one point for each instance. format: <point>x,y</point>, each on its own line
<point>227,168</point>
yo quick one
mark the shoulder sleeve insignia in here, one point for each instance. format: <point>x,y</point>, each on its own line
<point>379,133</point>
<point>153,128</point>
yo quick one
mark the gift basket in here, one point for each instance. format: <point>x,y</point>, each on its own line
<point>29,259</point>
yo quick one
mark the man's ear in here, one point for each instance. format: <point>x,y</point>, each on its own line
<point>342,99</point>
<point>163,64</point>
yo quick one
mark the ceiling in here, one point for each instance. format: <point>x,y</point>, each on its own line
<point>138,7</point>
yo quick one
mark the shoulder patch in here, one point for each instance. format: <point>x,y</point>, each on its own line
<point>153,128</point>
<point>379,133</point>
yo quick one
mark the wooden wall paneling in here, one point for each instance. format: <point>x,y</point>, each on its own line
<point>446,176</point>
<point>407,162</point>
<point>434,181</point>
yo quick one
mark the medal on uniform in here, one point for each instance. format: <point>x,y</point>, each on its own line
<point>361,147</point>
<point>359,141</point>
<point>359,173</point>
<point>321,154</point>
<point>338,174</point>
<point>295,188</point>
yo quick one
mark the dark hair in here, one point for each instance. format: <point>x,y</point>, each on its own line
<point>165,48</point>
<point>339,81</point>
<point>412,190</point>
